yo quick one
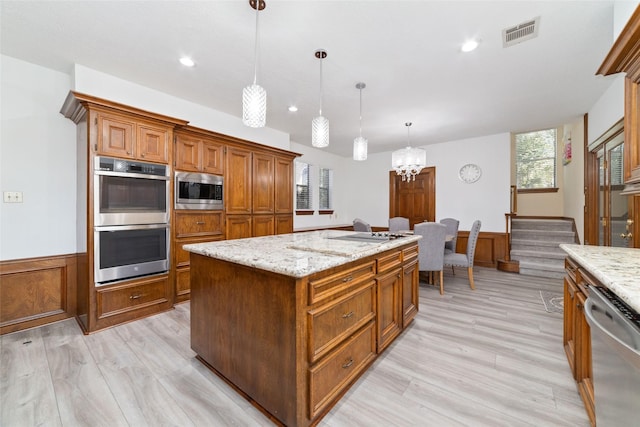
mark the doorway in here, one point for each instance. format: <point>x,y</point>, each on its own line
<point>415,200</point>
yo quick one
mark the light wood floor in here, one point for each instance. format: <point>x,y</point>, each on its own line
<point>489,357</point>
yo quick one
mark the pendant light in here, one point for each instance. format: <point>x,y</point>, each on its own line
<point>409,161</point>
<point>254,97</point>
<point>320,125</point>
<point>360,143</point>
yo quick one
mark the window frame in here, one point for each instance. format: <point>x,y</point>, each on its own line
<point>302,170</point>
<point>325,210</point>
<point>550,189</point>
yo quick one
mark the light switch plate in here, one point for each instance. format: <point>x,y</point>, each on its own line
<point>13,196</point>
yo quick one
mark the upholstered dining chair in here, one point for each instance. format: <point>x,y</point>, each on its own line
<point>430,253</point>
<point>398,223</point>
<point>466,259</point>
<point>360,225</point>
<point>452,230</point>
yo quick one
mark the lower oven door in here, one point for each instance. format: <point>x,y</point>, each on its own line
<point>128,251</point>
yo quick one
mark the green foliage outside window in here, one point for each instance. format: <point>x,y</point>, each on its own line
<point>536,159</point>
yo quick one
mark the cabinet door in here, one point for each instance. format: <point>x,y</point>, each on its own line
<point>153,143</point>
<point>389,307</point>
<point>283,183</point>
<point>569,322</point>
<point>284,224</point>
<point>263,189</point>
<point>187,153</point>
<point>212,157</point>
<point>238,182</point>
<point>238,226</point>
<point>409,292</point>
<point>116,136</point>
<point>263,225</point>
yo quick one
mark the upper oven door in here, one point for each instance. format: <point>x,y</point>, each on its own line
<point>127,199</point>
<point>198,191</point>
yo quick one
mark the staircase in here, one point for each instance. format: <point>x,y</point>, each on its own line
<point>535,243</point>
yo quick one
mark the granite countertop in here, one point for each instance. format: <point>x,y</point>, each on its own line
<point>617,268</point>
<point>298,254</point>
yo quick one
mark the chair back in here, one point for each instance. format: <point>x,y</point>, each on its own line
<point>452,230</point>
<point>360,225</point>
<point>473,240</point>
<point>430,247</point>
<point>398,223</point>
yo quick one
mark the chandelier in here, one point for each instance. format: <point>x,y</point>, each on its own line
<point>320,125</point>
<point>360,143</point>
<point>409,161</point>
<point>254,97</point>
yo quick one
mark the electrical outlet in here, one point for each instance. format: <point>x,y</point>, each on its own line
<point>13,196</point>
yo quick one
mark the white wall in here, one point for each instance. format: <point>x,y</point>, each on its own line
<point>37,157</point>
<point>573,177</point>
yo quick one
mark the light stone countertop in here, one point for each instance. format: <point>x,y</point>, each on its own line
<point>297,254</point>
<point>617,268</point>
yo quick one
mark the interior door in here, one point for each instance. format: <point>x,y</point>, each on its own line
<point>415,200</point>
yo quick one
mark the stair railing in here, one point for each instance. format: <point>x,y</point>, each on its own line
<point>508,217</point>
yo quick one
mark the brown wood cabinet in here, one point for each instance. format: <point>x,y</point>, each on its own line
<point>198,151</point>
<point>577,334</point>
<point>314,335</point>
<point>131,137</point>
<point>112,129</point>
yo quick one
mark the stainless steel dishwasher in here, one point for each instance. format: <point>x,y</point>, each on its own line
<point>615,356</point>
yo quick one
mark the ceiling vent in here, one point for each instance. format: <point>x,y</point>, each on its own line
<point>519,33</point>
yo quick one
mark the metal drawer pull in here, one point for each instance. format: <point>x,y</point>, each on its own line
<point>136,296</point>
<point>349,314</point>
<point>200,222</point>
<point>349,363</point>
<point>348,279</point>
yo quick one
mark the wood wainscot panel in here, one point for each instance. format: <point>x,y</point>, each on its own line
<point>36,291</point>
<point>489,249</point>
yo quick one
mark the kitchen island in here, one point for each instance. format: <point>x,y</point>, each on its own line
<point>291,321</point>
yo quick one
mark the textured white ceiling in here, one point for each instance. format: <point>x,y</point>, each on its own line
<point>407,53</point>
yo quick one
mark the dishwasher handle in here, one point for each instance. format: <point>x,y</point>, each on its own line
<point>628,353</point>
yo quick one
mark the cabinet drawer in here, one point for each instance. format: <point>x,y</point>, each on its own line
<point>182,256</point>
<point>387,262</point>
<point>410,253</point>
<point>132,296</point>
<point>331,323</point>
<point>570,268</point>
<point>199,224</point>
<point>327,286</point>
<point>328,378</point>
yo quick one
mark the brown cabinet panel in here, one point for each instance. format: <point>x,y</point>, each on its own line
<point>238,226</point>
<point>212,157</point>
<point>263,184</point>
<point>283,185</point>
<point>331,323</point>
<point>199,223</point>
<point>238,182</point>
<point>325,285</point>
<point>188,153</point>
<point>119,299</point>
<point>183,284</point>
<point>197,153</point>
<point>410,274</point>
<point>116,136</point>
<point>387,262</point>
<point>153,143</point>
<point>284,224</point>
<point>389,307</point>
<point>263,225</point>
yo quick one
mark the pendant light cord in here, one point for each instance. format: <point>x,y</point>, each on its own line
<point>408,125</point>
<point>321,84</point>
<point>255,54</point>
<point>360,112</point>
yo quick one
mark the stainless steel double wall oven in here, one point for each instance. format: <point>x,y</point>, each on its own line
<point>131,224</point>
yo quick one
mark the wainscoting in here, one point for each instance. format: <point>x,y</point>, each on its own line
<point>490,248</point>
<point>37,291</point>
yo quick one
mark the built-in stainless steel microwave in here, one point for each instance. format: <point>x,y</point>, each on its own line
<point>199,191</point>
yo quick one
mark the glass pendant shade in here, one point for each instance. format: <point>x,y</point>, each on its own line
<point>320,132</point>
<point>360,148</point>
<point>254,106</point>
<point>408,162</point>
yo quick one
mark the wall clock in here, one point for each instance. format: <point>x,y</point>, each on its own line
<point>470,173</point>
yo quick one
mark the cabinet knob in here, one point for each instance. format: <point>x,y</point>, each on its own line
<point>348,364</point>
<point>347,315</point>
<point>135,296</point>
<point>347,279</point>
<point>199,222</point>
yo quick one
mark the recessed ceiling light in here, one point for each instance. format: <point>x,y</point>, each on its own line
<point>187,62</point>
<point>293,108</point>
<point>469,45</point>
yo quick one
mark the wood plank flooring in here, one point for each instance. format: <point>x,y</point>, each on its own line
<point>489,357</point>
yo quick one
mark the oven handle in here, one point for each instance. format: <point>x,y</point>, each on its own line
<point>132,175</point>
<point>131,227</point>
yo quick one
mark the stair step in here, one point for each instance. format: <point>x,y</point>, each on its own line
<point>524,254</point>
<point>532,268</point>
<point>552,236</point>
<point>542,224</point>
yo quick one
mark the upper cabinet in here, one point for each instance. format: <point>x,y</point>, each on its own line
<point>624,57</point>
<point>198,152</point>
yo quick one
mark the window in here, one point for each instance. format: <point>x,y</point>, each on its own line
<point>325,187</point>
<point>303,189</point>
<point>536,160</point>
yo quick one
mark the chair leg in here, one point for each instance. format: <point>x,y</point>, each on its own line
<point>453,270</point>
<point>441,282</point>
<point>471,278</point>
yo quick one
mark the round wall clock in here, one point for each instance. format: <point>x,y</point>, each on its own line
<point>470,173</point>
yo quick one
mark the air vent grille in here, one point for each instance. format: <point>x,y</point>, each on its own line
<point>519,33</point>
